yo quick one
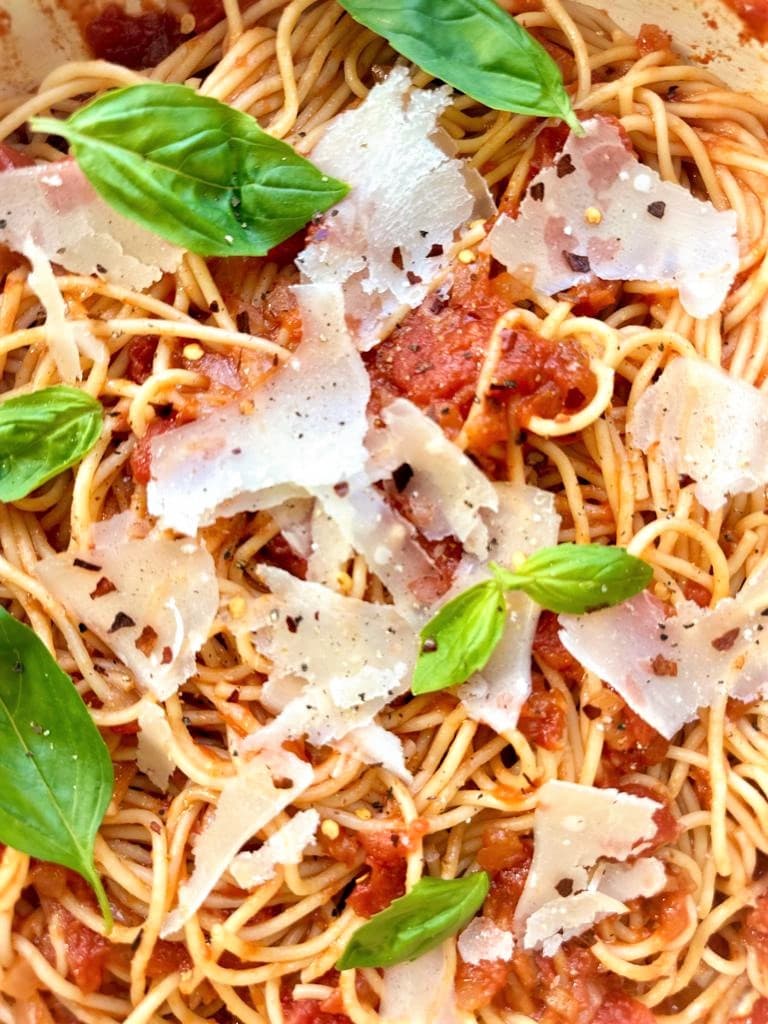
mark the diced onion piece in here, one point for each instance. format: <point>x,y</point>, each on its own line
<point>525,521</point>
<point>353,656</point>
<point>247,802</point>
<point>447,493</point>
<point>646,877</point>
<point>55,205</point>
<point>574,827</point>
<point>667,667</point>
<point>306,429</point>
<point>707,425</point>
<point>151,600</point>
<point>285,846</point>
<point>648,229</point>
<point>483,941</point>
<point>153,755</point>
<point>390,237</point>
<point>420,991</point>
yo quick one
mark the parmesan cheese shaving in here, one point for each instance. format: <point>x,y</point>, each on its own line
<point>306,429</point>
<point>154,753</point>
<point>707,425</point>
<point>61,333</point>
<point>667,667</point>
<point>247,802</point>
<point>447,493</point>
<point>525,521</point>
<point>151,600</point>
<point>390,237</point>
<point>574,827</point>
<point>285,846</point>
<point>649,229</point>
<point>421,991</point>
<point>483,941</point>
<point>646,877</point>
<point>55,206</point>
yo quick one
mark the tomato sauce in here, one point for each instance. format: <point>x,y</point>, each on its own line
<point>309,1011</point>
<point>385,854</point>
<point>754,14</point>
<point>756,929</point>
<point>618,1008</point>
<point>629,743</point>
<point>140,461</point>
<point>757,1015</point>
<point>168,957</point>
<point>548,646</point>
<point>542,717</point>
<point>651,38</point>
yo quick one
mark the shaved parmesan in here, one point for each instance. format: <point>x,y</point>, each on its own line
<point>707,425</point>
<point>646,229</point>
<point>306,429</point>
<point>151,600</point>
<point>421,991</point>
<point>55,206</point>
<point>353,657</point>
<point>373,744</point>
<point>286,846</point>
<point>247,803</point>
<point>61,333</point>
<point>330,551</point>
<point>447,493</point>
<point>574,827</point>
<point>667,667</point>
<point>483,941</point>
<point>409,194</point>
<point>153,755</point>
<point>565,917</point>
<point>525,521</point>
<point>647,876</point>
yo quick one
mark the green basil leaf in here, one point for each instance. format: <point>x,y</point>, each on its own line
<point>460,639</point>
<point>56,775</point>
<point>431,912</point>
<point>42,434</point>
<point>474,46</point>
<point>193,170</point>
<point>577,578</point>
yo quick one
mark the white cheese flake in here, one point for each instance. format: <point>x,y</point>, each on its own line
<point>668,667</point>
<point>247,802</point>
<point>64,336</point>
<point>421,991</point>
<point>649,229</point>
<point>483,941</point>
<point>154,751</point>
<point>575,827</point>
<point>707,425</point>
<point>55,206</point>
<point>306,429</point>
<point>646,877</point>
<point>151,600</point>
<point>285,846</point>
<point>391,236</point>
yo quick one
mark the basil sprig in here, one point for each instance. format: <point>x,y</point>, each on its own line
<point>56,775</point>
<point>431,912</point>
<point>42,434</point>
<point>474,46</point>
<point>193,170</point>
<point>569,578</point>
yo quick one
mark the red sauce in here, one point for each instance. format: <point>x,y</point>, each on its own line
<point>435,356</point>
<point>618,1008</point>
<point>757,1015</point>
<point>754,14</point>
<point>141,456</point>
<point>669,914</point>
<point>141,353</point>
<point>10,158</point>
<point>590,298</point>
<point>630,744</point>
<point>651,38</point>
<point>542,717</point>
<point>667,829</point>
<point>309,1011</point>
<point>693,591</point>
<point>477,984</point>
<point>168,957</point>
<point>385,854</point>
<point>86,950</point>
<point>549,648</point>
<point>756,929</point>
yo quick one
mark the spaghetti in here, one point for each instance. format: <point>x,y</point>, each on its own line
<point>696,952</point>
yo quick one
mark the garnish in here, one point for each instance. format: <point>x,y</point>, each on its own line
<point>194,170</point>
<point>56,775</point>
<point>568,578</point>
<point>476,47</point>
<point>431,912</point>
<point>42,434</point>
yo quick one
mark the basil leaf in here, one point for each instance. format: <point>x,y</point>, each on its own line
<point>460,639</point>
<point>474,46</point>
<point>56,775</point>
<point>431,912</point>
<point>577,578</point>
<point>42,434</point>
<point>193,170</point>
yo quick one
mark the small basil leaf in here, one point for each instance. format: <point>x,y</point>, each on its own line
<point>474,46</point>
<point>56,775</point>
<point>460,639</point>
<point>42,434</point>
<point>577,578</point>
<point>193,170</point>
<point>431,912</point>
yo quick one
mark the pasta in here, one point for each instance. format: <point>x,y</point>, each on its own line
<point>265,953</point>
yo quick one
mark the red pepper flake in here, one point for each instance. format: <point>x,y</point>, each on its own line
<point>103,587</point>
<point>564,166</point>
<point>727,640</point>
<point>663,666</point>
<point>146,640</point>
<point>537,191</point>
<point>578,264</point>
